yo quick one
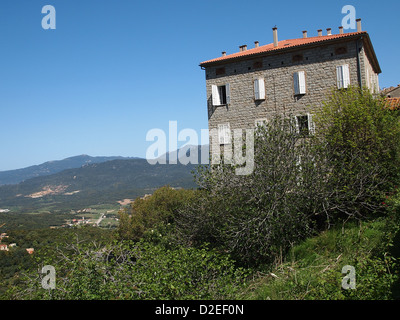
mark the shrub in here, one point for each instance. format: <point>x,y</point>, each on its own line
<point>136,271</point>
<point>146,213</point>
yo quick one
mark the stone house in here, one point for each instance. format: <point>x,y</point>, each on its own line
<point>293,76</point>
<point>392,92</point>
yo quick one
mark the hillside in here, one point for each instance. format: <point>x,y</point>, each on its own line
<point>97,183</point>
<point>50,167</point>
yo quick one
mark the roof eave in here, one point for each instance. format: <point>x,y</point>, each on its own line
<point>295,48</point>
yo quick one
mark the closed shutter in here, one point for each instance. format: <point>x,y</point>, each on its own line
<point>216,100</point>
<point>259,89</point>
<point>224,133</point>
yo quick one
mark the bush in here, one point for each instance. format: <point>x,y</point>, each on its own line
<point>360,140</point>
<point>258,216</point>
<point>146,213</point>
<point>140,271</point>
<point>301,183</point>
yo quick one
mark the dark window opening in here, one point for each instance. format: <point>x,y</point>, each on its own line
<point>222,94</point>
<point>302,122</point>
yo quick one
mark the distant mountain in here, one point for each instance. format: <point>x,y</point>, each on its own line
<point>50,167</point>
<point>96,183</point>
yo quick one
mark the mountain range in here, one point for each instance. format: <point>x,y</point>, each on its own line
<point>50,167</point>
<point>93,180</point>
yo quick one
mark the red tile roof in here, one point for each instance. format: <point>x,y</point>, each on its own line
<point>284,44</point>
<point>393,103</point>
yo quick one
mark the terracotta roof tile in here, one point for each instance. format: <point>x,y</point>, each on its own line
<point>393,103</point>
<point>284,44</point>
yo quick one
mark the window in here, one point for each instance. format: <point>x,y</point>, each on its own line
<point>221,95</point>
<point>261,122</point>
<point>259,89</point>
<point>304,125</point>
<point>343,76</point>
<point>224,133</point>
<point>299,82</point>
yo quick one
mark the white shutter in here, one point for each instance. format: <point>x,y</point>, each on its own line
<point>224,133</point>
<point>346,75</point>
<point>339,76</point>
<point>216,100</point>
<point>311,125</point>
<point>257,89</point>
<point>296,123</point>
<point>302,82</point>
<point>296,83</point>
<point>261,86</point>
<point>228,93</point>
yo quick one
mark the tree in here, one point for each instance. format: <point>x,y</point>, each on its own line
<point>147,212</point>
<point>301,183</point>
<point>360,140</point>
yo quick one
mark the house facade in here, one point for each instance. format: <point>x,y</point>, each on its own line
<point>393,92</point>
<point>293,77</point>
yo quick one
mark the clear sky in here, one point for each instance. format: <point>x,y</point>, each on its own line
<point>113,70</point>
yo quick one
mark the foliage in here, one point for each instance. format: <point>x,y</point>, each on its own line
<point>144,214</point>
<point>17,261</point>
<point>140,270</point>
<point>256,217</point>
<point>301,183</point>
<point>313,269</point>
<point>360,140</point>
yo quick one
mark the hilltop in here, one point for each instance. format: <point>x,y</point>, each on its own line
<point>50,167</point>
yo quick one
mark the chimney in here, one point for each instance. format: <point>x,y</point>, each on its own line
<point>275,32</point>
<point>305,34</point>
<point>340,30</point>
<point>243,48</point>
<point>256,44</point>
<point>359,25</point>
<point>319,32</point>
<point>224,53</point>
<point>329,31</point>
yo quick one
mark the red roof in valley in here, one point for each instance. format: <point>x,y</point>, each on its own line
<point>393,103</point>
<point>284,44</point>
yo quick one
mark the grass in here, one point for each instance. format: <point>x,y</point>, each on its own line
<point>313,268</point>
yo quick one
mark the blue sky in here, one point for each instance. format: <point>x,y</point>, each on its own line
<point>113,70</point>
